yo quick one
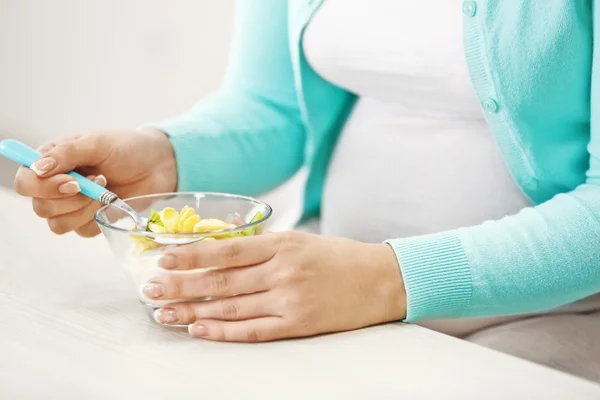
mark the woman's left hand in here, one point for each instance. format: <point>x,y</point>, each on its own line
<point>280,285</point>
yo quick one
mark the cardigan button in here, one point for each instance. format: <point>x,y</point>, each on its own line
<point>530,183</point>
<point>490,105</point>
<point>469,8</point>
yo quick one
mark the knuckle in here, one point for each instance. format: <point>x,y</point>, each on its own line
<point>63,151</point>
<point>298,314</point>
<point>291,275</point>
<point>291,301</point>
<point>20,184</point>
<point>44,148</point>
<point>88,231</point>
<point>93,137</point>
<point>67,148</point>
<point>42,208</point>
<point>291,242</point>
<point>186,313</point>
<point>303,325</point>
<point>231,251</point>
<point>187,256</point>
<point>183,257</point>
<point>221,334</point>
<point>58,226</point>
<point>252,335</point>
<point>230,311</point>
<point>219,282</point>
<point>288,237</point>
<point>173,285</point>
<point>293,237</point>
<point>286,276</point>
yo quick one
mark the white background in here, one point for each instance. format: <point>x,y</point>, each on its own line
<point>69,66</point>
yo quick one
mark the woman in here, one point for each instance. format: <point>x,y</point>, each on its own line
<point>465,180</point>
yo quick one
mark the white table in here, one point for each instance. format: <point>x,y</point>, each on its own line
<point>72,329</point>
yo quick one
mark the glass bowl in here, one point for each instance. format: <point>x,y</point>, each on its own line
<point>138,254</point>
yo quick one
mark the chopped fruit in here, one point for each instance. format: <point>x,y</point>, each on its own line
<point>187,221</point>
<point>187,225</point>
<point>156,228</point>
<point>170,219</point>
<point>185,213</point>
<point>211,224</point>
<point>255,230</point>
<point>155,218</point>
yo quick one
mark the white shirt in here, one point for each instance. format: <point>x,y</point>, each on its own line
<point>416,155</point>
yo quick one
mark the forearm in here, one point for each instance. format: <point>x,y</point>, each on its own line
<point>539,259</point>
<point>235,142</point>
<point>248,137</point>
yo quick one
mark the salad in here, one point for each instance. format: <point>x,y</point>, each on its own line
<point>187,221</point>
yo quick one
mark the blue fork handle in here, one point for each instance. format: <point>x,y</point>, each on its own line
<point>25,155</point>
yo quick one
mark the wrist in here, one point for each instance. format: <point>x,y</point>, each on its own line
<point>391,283</point>
<point>166,166</point>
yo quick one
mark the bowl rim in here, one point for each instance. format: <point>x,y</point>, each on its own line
<point>265,217</point>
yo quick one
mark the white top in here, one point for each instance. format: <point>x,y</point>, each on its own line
<point>73,328</point>
<point>416,155</point>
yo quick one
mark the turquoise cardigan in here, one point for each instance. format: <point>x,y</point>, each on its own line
<point>532,68</point>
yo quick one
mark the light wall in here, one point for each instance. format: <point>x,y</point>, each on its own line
<point>71,66</point>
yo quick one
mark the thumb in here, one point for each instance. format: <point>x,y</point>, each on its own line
<point>85,151</point>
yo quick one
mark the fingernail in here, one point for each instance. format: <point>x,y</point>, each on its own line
<point>168,262</point>
<point>198,330</point>
<point>69,187</point>
<point>101,180</point>
<point>40,167</point>
<point>153,290</point>
<point>166,315</point>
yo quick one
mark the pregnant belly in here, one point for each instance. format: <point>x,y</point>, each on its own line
<point>396,175</point>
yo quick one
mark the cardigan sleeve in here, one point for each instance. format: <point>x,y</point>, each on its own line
<point>247,137</point>
<point>541,258</point>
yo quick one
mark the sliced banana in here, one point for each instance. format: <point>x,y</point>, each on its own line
<point>185,213</point>
<point>211,224</point>
<point>187,225</point>
<point>170,219</point>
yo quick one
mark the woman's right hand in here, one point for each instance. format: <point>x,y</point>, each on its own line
<point>127,163</point>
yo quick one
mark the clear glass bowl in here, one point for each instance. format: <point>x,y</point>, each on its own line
<point>141,262</point>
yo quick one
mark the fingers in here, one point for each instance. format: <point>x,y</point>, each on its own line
<point>43,149</point>
<point>53,208</point>
<point>87,150</point>
<point>74,220</point>
<point>28,184</point>
<point>252,330</point>
<point>46,147</point>
<point>226,309</point>
<point>88,230</point>
<point>49,208</point>
<point>70,214</point>
<point>208,283</point>
<point>228,253</point>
